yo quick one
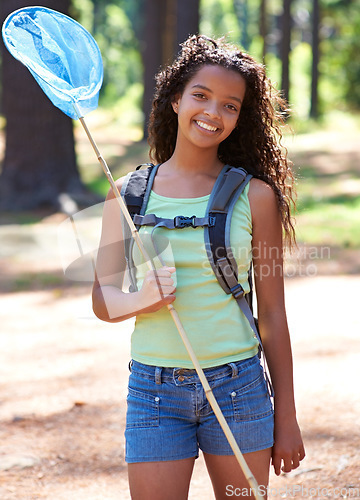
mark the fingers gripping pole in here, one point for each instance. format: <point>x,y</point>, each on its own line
<point>214,405</point>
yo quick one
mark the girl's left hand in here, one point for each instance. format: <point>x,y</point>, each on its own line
<point>288,448</point>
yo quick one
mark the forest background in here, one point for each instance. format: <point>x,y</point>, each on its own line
<point>63,373</point>
<point>311,49</point>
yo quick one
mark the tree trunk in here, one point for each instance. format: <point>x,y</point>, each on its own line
<point>187,20</point>
<point>314,109</point>
<point>263,28</point>
<point>40,162</point>
<point>286,48</point>
<point>241,9</point>
<point>152,51</point>
<point>167,24</point>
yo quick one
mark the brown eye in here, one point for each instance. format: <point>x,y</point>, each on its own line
<point>232,107</point>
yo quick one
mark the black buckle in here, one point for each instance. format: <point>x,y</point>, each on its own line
<point>181,221</point>
<point>237,291</point>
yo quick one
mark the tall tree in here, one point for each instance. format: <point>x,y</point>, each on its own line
<point>314,108</point>
<point>263,28</point>
<point>152,50</point>
<point>167,24</point>
<point>39,163</point>
<point>187,20</point>
<point>286,26</point>
<point>241,9</point>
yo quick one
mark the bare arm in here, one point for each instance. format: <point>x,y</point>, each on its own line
<point>110,303</point>
<point>269,284</point>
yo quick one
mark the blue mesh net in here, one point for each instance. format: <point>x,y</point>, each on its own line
<point>61,55</point>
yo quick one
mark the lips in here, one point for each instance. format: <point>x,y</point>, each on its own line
<point>206,126</point>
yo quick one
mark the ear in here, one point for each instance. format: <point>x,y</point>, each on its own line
<point>175,105</point>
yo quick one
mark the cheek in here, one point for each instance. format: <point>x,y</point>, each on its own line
<point>231,128</point>
<point>233,122</point>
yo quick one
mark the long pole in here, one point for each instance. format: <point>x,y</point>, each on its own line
<point>209,394</point>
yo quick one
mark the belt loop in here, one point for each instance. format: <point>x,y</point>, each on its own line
<point>234,369</point>
<point>158,370</point>
<point>130,365</point>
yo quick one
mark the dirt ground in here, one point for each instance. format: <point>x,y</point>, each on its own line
<point>63,378</point>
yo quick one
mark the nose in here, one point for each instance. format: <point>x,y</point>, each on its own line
<point>212,109</point>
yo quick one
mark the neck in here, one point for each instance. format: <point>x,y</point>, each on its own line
<point>195,160</point>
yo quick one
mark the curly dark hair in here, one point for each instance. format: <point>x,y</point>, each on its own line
<point>255,143</point>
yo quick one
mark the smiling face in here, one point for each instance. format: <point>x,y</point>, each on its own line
<point>209,108</point>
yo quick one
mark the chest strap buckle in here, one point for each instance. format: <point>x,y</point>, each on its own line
<point>180,221</point>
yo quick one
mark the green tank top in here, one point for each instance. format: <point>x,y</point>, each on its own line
<point>216,327</point>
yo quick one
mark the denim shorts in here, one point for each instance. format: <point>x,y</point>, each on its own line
<point>169,417</point>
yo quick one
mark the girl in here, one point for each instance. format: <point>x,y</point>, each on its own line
<point>213,106</point>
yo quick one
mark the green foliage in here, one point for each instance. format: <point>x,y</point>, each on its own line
<point>300,79</point>
<point>330,221</point>
<point>218,19</point>
<point>114,32</point>
<point>235,19</point>
<point>126,110</point>
<point>340,64</point>
<point>117,27</point>
<point>326,160</point>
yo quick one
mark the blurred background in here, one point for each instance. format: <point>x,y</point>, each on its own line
<point>311,49</point>
<point>63,371</point>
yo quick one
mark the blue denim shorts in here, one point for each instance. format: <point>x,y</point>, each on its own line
<point>169,417</point>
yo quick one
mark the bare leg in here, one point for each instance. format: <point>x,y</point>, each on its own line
<point>160,480</point>
<point>227,477</point>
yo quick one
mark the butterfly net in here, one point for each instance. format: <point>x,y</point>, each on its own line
<point>62,56</point>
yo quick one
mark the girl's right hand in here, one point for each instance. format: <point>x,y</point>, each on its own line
<point>157,290</point>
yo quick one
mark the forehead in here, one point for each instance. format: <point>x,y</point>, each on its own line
<point>215,76</point>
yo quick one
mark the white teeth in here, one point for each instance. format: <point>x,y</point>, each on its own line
<point>206,126</point>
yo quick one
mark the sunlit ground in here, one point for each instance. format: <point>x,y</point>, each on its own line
<point>66,371</point>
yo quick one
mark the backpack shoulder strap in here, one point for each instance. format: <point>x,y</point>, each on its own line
<point>136,191</point>
<point>136,188</point>
<point>231,183</point>
<point>227,190</point>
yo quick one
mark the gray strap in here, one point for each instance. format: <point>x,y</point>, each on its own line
<point>145,220</point>
<point>149,188</point>
<point>235,198</point>
<point>128,240</point>
<point>238,292</point>
<point>219,181</point>
<point>176,222</point>
<point>125,183</point>
<point>231,183</point>
<point>217,186</point>
<point>232,179</point>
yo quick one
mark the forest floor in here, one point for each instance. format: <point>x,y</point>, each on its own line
<point>63,375</point>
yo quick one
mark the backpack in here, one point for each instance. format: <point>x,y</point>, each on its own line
<point>226,191</point>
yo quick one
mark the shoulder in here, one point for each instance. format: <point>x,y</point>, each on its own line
<point>260,191</point>
<point>263,201</point>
